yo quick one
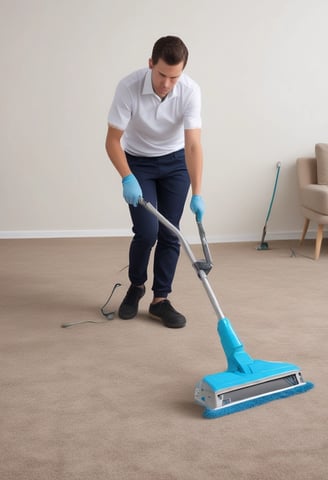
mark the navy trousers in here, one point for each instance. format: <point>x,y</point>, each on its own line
<point>165,183</point>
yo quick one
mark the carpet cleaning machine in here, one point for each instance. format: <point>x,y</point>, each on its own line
<point>247,382</point>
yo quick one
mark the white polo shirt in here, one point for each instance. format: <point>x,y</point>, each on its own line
<point>153,127</point>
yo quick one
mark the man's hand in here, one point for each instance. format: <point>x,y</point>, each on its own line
<point>131,190</point>
<point>197,206</point>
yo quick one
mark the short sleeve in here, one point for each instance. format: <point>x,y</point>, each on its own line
<point>120,111</point>
<point>192,115</point>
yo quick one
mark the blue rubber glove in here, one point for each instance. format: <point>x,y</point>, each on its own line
<point>131,190</point>
<point>197,206</point>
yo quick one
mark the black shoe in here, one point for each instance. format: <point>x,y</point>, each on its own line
<point>129,307</point>
<point>169,316</point>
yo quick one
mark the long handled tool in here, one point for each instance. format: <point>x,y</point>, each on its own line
<point>247,382</point>
<point>264,245</point>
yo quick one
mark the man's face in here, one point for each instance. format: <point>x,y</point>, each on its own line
<point>164,76</point>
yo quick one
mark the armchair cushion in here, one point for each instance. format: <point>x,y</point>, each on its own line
<point>321,152</point>
<point>315,198</point>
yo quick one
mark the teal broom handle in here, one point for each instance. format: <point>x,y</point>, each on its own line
<point>274,192</point>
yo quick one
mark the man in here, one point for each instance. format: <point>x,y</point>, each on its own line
<point>154,142</point>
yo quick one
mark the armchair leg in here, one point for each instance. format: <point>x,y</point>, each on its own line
<point>318,242</point>
<point>305,228</point>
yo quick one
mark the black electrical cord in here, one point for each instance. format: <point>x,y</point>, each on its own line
<point>108,315</point>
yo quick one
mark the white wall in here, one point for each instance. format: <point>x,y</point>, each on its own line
<point>262,66</point>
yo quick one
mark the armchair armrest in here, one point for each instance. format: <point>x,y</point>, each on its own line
<point>306,171</point>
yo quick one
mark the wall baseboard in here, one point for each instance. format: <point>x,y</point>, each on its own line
<point>193,239</point>
<point>24,234</point>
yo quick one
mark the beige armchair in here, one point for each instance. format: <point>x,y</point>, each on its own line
<point>313,191</point>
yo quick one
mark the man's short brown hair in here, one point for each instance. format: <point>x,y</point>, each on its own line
<point>171,50</point>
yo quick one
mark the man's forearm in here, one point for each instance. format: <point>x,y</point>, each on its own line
<point>194,162</point>
<point>194,159</point>
<point>116,153</point>
<point>118,159</point>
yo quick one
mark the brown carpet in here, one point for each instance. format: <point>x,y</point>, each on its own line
<point>114,400</point>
